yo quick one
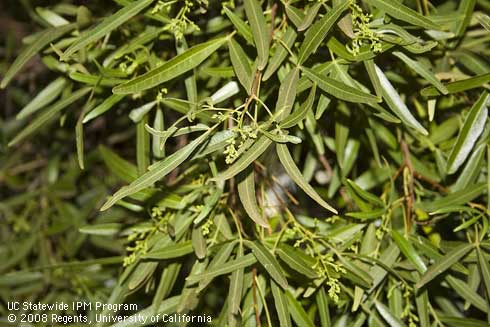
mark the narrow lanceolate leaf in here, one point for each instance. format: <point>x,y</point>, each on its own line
<point>287,94</point>
<point>295,174</point>
<point>281,52</point>
<point>246,159</point>
<point>48,94</point>
<point>260,31</point>
<point>463,290</point>
<point>459,86</point>
<point>106,26</point>
<point>294,259</point>
<point>299,314</point>
<point>472,169</point>
<point>236,286</point>
<point>484,20</point>
<point>171,69</point>
<point>171,251</point>
<point>106,105</point>
<point>269,263</point>
<point>242,28</point>
<point>371,70</point>
<point>457,198</point>
<point>472,128</point>
<point>300,114</point>
<point>387,315</point>
<point>401,12</point>
<point>310,15</point>
<point>246,192</point>
<point>484,266</point>
<point>318,31</point>
<point>42,40</point>
<point>408,251</point>
<point>444,263</point>
<point>48,114</point>
<point>294,14</point>
<point>339,89</point>
<point>158,171</point>
<point>226,268</point>
<point>199,242</point>
<point>462,322</point>
<point>422,71</point>
<point>396,104</point>
<point>281,304</point>
<point>117,165</point>
<point>465,8</point>
<point>241,65</point>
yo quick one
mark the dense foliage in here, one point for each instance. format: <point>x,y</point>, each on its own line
<point>275,163</point>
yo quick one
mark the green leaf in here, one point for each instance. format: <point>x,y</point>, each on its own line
<point>241,65</point>
<point>459,86</point>
<point>471,171</point>
<point>101,229</point>
<point>294,14</point>
<point>322,306</point>
<point>457,198</point>
<point>339,89</point>
<point>246,159</point>
<point>42,40</point>
<point>297,260</point>
<point>106,26</point>
<point>142,146</point>
<point>299,314</point>
<point>236,286</point>
<point>199,242</point>
<point>218,261</point>
<point>387,315</point>
<point>48,114</point>
<point>408,251</point>
<point>468,294</point>
<point>295,174</point>
<point>462,322</point>
<point>171,251</point>
<point>171,69</point>
<point>226,268</point>
<point>259,29</point>
<point>48,94</point>
<point>310,15</point>
<point>484,270</point>
<point>466,8</point>
<point>367,215</point>
<point>444,263</point>
<point>422,70</point>
<point>242,28</point>
<point>287,95</point>
<point>106,105</point>
<point>281,304</point>
<point>300,114</point>
<point>371,198</point>
<point>371,70</point>
<point>269,263</point>
<point>472,128</point>
<point>318,31</point>
<point>246,192</point>
<point>405,14</point>
<point>484,20</point>
<point>157,172</point>
<point>281,52</point>
<point>396,104</point>
<point>117,165</point>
